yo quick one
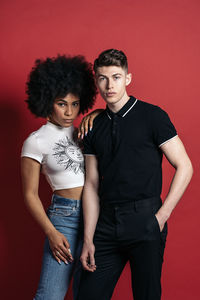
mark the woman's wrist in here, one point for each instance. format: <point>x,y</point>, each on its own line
<point>50,231</point>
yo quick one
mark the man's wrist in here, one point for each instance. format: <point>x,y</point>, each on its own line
<point>163,215</point>
<point>88,240</point>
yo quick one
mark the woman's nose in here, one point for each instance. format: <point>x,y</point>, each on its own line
<point>68,111</point>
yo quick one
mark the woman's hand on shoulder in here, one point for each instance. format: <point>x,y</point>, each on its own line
<point>87,123</point>
<point>60,247</point>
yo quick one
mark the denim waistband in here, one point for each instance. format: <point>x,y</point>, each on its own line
<point>136,204</point>
<point>65,201</point>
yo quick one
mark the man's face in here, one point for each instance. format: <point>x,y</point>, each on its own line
<point>112,82</point>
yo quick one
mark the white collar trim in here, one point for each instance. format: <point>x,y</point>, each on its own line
<point>126,111</point>
<point>130,108</point>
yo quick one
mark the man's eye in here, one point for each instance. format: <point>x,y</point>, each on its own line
<point>117,77</point>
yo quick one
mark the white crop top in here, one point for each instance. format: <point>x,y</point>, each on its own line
<point>61,159</point>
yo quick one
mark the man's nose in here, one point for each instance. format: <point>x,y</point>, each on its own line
<point>109,84</point>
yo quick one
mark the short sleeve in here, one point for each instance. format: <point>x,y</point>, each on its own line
<point>163,129</point>
<point>31,148</point>
<point>88,148</point>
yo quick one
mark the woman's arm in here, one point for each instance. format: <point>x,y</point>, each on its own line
<point>30,172</point>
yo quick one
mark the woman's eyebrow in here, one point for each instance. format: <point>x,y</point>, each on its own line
<point>60,99</point>
<point>78,100</point>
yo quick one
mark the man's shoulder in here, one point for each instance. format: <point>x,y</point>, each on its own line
<point>150,109</point>
<point>148,106</point>
<point>100,118</point>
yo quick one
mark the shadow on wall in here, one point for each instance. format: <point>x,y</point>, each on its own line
<point>21,239</point>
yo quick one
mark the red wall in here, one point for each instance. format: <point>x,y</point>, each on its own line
<point>161,40</point>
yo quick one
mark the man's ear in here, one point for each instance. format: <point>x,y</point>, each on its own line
<point>128,79</point>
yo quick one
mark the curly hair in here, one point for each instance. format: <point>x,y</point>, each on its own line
<point>56,77</point>
<point>111,57</point>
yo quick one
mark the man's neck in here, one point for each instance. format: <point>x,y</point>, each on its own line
<point>115,107</point>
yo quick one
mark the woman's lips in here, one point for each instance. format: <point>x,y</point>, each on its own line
<point>68,121</point>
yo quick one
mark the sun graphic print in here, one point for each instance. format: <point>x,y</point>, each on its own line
<point>69,155</point>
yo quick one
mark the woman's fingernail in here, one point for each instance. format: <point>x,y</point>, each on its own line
<point>90,128</point>
<point>59,262</point>
<point>85,133</point>
<point>81,136</point>
<point>66,262</point>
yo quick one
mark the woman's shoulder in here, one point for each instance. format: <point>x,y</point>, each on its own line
<point>33,136</point>
<point>31,146</point>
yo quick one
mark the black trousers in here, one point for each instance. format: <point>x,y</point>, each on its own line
<point>127,232</point>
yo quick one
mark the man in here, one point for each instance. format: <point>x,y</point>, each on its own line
<point>124,217</point>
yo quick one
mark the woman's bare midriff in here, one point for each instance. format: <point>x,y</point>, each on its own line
<point>74,193</point>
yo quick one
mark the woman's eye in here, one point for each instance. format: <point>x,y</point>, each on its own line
<point>76,104</point>
<point>61,104</point>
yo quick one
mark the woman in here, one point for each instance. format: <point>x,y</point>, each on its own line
<point>58,89</point>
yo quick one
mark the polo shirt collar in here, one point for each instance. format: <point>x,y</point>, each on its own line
<point>124,110</point>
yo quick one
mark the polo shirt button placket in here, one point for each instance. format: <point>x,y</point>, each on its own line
<point>116,208</point>
<point>114,130</point>
<point>114,124</point>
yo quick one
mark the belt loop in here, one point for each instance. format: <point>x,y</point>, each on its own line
<point>52,200</point>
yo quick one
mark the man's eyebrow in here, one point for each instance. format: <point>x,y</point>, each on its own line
<point>98,75</point>
<point>115,74</point>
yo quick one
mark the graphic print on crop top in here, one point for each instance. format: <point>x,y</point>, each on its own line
<point>67,153</point>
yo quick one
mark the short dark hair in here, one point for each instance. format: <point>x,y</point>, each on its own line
<point>111,57</point>
<point>56,77</point>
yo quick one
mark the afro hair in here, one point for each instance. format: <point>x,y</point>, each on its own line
<point>56,77</point>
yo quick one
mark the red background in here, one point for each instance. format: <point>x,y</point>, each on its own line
<point>161,40</point>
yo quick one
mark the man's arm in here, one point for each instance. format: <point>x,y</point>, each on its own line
<point>178,158</point>
<point>90,212</point>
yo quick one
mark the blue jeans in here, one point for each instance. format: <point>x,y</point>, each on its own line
<point>66,215</point>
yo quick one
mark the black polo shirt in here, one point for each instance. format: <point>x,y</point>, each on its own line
<point>127,147</point>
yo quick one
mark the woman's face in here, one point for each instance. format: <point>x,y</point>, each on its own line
<point>65,110</point>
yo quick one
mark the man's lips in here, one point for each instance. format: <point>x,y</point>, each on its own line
<point>110,94</point>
